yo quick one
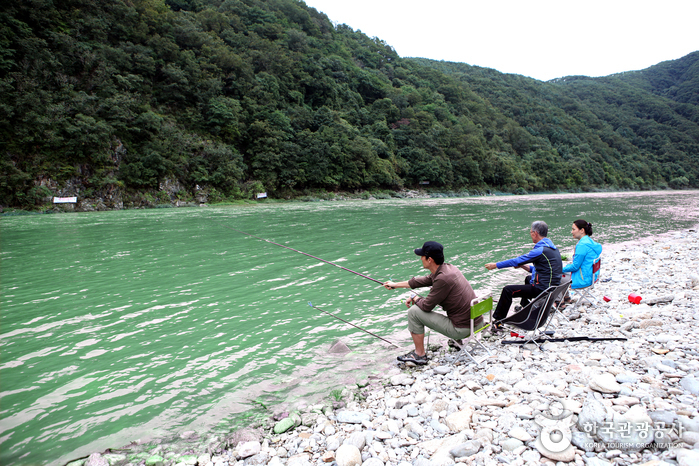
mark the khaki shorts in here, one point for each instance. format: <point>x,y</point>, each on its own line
<point>419,319</point>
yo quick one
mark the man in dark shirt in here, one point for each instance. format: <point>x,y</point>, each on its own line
<point>450,289</point>
<point>546,270</point>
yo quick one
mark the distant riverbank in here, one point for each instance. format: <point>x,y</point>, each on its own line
<point>150,201</point>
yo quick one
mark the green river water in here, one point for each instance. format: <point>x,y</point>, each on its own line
<point>142,324</point>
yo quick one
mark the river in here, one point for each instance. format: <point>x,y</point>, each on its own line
<point>138,324</point>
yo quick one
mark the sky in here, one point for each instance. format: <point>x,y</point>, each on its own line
<point>542,39</point>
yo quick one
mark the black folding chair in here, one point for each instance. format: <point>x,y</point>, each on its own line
<point>535,318</point>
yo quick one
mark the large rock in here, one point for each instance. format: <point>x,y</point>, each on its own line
<point>595,461</point>
<point>459,420</point>
<point>348,455</point>
<point>690,384</point>
<point>511,444</point>
<point>469,448</point>
<point>605,383</point>
<point>339,348</point>
<point>690,438</point>
<point>565,456</point>
<point>402,379</point>
<point>687,457</point>
<point>284,425</point>
<point>583,440</point>
<point>592,415</point>
<point>373,462</point>
<point>625,432</point>
<point>254,460</point>
<point>352,417</point>
<point>156,460</point>
<point>247,449</point>
<point>442,444</point>
<point>358,439</point>
<point>520,434</point>
<point>96,459</point>
<point>658,299</point>
<point>302,459</point>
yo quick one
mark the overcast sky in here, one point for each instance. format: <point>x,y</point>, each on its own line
<point>543,39</point>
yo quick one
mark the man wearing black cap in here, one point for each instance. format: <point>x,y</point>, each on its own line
<point>450,289</point>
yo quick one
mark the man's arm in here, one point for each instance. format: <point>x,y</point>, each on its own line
<point>493,265</point>
<point>517,261</point>
<point>440,290</point>
<point>389,285</point>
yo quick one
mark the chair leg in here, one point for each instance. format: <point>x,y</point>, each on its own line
<point>585,295</point>
<point>559,312</point>
<point>463,350</point>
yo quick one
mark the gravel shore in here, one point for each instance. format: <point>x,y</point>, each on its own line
<point>581,402</point>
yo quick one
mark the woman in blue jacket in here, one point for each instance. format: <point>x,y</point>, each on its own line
<point>586,251</point>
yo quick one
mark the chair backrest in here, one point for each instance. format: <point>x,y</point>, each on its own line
<point>560,291</point>
<point>596,265</point>
<point>480,306</point>
<point>529,316</point>
<point>536,314</point>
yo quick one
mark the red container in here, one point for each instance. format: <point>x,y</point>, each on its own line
<point>635,299</point>
<point>606,299</point>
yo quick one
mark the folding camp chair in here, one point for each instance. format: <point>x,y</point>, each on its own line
<point>535,317</point>
<point>586,293</point>
<point>479,307</point>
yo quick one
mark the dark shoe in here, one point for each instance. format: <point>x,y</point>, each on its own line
<point>495,329</point>
<point>414,358</point>
<point>456,344</point>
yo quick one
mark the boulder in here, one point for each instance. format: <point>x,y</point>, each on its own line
<point>348,455</point>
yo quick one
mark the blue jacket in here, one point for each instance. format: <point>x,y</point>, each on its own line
<point>546,260</point>
<point>586,251</point>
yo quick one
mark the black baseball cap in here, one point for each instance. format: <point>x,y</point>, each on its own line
<point>431,249</point>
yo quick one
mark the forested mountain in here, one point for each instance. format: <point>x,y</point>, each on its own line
<point>139,102</point>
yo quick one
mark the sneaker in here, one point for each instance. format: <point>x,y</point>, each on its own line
<point>456,344</point>
<point>414,358</point>
<point>495,329</point>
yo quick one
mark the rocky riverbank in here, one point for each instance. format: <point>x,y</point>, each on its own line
<point>583,402</point>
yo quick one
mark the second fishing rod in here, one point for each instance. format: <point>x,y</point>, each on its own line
<point>322,260</point>
<point>305,254</point>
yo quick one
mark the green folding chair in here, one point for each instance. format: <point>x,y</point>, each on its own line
<point>479,307</point>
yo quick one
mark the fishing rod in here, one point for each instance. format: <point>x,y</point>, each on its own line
<point>360,328</point>
<point>553,340</point>
<point>301,252</point>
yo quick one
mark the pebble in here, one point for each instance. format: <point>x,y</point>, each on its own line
<point>494,413</point>
<point>605,383</point>
<point>352,417</point>
<point>245,449</point>
<point>469,448</point>
<point>690,384</point>
<point>348,455</point>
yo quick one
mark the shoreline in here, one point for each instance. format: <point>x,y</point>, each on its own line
<point>445,413</point>
<point>97,205</point>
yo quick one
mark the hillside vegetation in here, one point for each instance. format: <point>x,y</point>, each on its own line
<point>137,102</point>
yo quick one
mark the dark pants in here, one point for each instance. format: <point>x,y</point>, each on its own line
<point>526,291</point>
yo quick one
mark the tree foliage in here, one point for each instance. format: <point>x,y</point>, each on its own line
<point>227,94</point>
